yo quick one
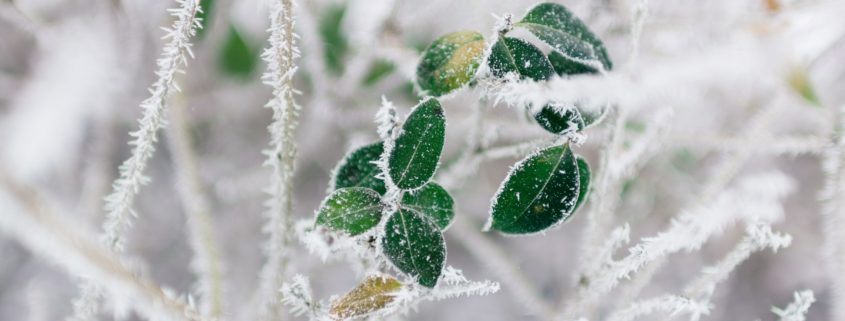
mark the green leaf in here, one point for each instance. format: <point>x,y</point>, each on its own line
<point>583,181</point>
<point>205,17</point>
<point>358,170</point>
<point>415,155</point>
<point>563,31</point>
<point>237,58</point>
<point>512,55</point>
<point>335,46</point>
<point>555,123</point>
<point>540,192</point>
<point>433,201</point>
<point>378,70</point>
<point>375,293</point>
<point>415,245</point>
<point>353,210</point>
<point>567,67</point>
<point>450,62</point>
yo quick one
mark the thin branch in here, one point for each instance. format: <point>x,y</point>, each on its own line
<point>119,203</point>
<point>28,218</point>
<point>672,304</point>
<point>833,213</point>
<point>797,310</point>
<point>281,156</point>
<point>206,263</point>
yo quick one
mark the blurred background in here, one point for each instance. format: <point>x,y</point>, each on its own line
<point>73,72</point>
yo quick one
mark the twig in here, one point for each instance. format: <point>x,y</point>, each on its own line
<point>833,195</point>
<point>206,262</point>
<point>28,218</point>
<point>119,203</point>
<point>281,156</point>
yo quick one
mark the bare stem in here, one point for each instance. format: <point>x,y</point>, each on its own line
<point>206,263</point>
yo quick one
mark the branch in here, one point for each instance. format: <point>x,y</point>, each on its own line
<point>797,310</point>
<point>281,156</point>
<point>206,262</point>
<point>125,188</point>
<point>27,217</point>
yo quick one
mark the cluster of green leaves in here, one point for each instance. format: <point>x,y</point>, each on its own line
<point>547,187</point>
<point>384,190</point>
<point>412,233</point>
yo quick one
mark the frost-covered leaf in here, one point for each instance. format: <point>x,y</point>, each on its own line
<point>554,122</point>
<point>433,201</point>
<point>237,57</point>
<point>370,296</point>
<point>512,55</point>
<point>563,31</point>
<point>335,46</point>
<point>450,62</point>
<point>540,191</point>
<point>584,175</point>
<point>415,245</point>
<point>566,67</point>
<point>358,170</point>
<point>415,156</point>
<point>353,210</point>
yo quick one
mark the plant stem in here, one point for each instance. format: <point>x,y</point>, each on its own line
<point>36,226</point>
<point>280,157</point>
<point>833,215</point>
<point>206,262</point>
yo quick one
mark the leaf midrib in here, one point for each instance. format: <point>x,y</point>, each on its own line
<point>546,183</point>
<point>408,246</point>
<point>413,155</point>
<point>589,45</point>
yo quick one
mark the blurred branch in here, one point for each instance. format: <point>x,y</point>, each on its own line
<point>29,219</point>
<point>206,263</point>
<point>833,213</point>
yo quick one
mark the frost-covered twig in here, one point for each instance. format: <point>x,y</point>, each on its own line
<point>797,310</point>
<point>298,296</point>
<point>119,203</point>
<point>759,237</point>
<point>30,219</point>
<point>756,197</point>
<point>603,202</point>
<point>672,304</point>
<point>174,57</point>
<point>834,213</point>
<point>206,263</point>
<point>281,156</point>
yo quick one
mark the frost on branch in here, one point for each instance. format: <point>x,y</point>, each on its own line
<point>298,296</point>
<point>671,304</point>
<point>281,155</point>
<point>759,236</point>
<point>797,310</point>
<point>755,197</point>
<point>125,188</point>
